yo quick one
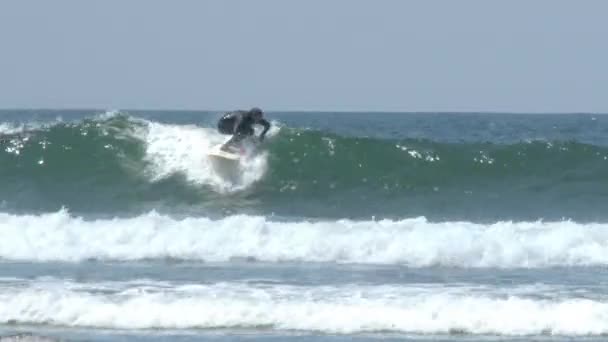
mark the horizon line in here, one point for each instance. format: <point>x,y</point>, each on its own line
<point>295,111</point>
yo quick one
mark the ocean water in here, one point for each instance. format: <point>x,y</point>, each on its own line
<point>117,226</point>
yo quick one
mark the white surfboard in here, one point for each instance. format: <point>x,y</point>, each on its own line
<point>218,153</point>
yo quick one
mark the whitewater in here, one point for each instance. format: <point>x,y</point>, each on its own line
<point>413,242</point>
<point>117,226</point>
<point>329,309</point>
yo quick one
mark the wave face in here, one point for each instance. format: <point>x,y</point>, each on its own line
<point>116,162</point>
<point>410,242</point>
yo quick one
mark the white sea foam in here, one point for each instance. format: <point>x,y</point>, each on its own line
<point>27,338</point>
<point>29,126</point>
<point>330,309</point>
<point>18,128</point>
<point>184,149</point>
<point>414,242</point>
<point>10,128</point>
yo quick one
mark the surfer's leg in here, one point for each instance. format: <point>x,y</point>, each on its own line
<point>233,142</point>
<point>236,139</point>
<point>227,144</point>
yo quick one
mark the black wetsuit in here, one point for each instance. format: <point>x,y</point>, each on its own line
<point>240,124</point>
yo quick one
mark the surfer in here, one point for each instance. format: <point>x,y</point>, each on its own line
<point>240,124</point>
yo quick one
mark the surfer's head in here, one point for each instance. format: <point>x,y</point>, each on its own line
<point>256,113</point>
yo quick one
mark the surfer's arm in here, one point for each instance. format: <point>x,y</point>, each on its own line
<point>237,125</point>
<point>266,125</point>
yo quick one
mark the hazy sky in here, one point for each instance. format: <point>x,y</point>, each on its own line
<point>518,56</point>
